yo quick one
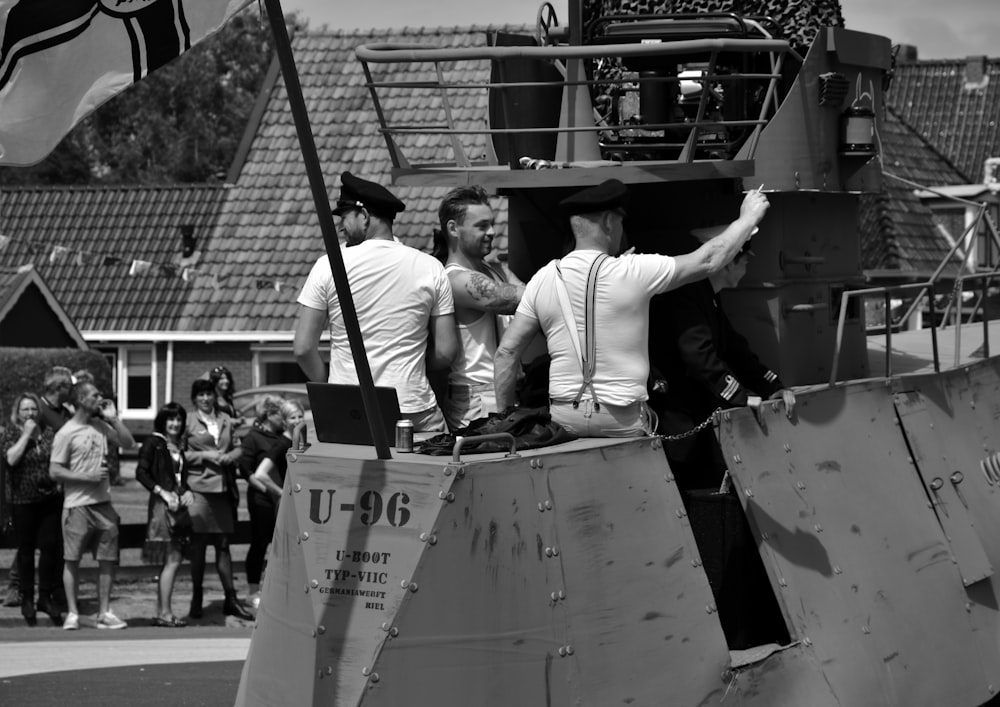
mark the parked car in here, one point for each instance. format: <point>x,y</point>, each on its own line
<point>245,402</point>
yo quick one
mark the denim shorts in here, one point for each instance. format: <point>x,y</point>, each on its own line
<point>94,528</point>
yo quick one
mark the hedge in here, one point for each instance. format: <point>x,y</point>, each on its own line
<point>23,370</point>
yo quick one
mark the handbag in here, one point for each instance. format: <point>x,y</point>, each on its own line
<point>179,523</point>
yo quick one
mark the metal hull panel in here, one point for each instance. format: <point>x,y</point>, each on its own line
<point>569,575</point>
<point>867,574</point>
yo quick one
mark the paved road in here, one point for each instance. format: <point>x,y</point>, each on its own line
<point>143,665</point>
<point>190,667</point>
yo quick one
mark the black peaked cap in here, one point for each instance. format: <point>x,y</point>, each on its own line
<point>608,195</point>
<point>358,193</point>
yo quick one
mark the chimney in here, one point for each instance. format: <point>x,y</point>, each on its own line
<point>976,77</point>
<point>188,241</point>
<point>991,173</point>
<point>906,54</point>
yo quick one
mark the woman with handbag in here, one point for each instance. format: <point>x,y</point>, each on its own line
<point>160,471</point>
<point>211,477</point>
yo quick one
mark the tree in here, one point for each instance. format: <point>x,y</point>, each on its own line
<point>181,124</point>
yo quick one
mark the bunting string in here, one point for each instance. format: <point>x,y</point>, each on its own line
<point>183,268</point>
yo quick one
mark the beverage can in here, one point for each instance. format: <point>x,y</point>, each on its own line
<point>404,436</point>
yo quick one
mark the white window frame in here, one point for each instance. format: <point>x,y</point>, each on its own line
<point>121,378</point>
<point>262,354</point>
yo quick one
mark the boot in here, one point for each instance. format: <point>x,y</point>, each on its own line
<point>195,612</point>
<point>48,606</point>
<point>28,611</point>
<point>233,607</point>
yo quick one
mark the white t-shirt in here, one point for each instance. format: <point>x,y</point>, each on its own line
<point>82,448</point>
<point>396,291</point>
<point>624,287</point>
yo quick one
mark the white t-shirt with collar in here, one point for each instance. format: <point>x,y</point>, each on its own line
<point>396,290</point>
<point>624,287</point>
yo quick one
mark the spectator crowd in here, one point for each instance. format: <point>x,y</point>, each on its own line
<point>59,456</point>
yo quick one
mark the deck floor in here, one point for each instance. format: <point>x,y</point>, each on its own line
<point>913,352</point>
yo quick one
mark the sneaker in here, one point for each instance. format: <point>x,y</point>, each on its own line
<point>254,600</point>
<point>71,622</point>
<point>109,620</point>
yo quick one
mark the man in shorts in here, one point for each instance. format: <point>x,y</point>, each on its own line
<point>79,462</point>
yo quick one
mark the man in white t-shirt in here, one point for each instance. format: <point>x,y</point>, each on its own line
<point>597,383</point>
<point>79,463</point>
<point>403,301</point>
<point>483,295</point>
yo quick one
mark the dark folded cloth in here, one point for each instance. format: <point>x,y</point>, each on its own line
<point>531,428</point>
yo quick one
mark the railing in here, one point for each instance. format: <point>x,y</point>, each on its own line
<point>461,127</point>
<point>925,288</point>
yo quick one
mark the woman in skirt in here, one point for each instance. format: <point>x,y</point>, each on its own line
<point>211,477</point>
<point>160,467</point>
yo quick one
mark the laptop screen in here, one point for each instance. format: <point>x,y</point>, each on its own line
<point>339,412</point>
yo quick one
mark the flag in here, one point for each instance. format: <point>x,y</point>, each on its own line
<point>139,267</point>
<point>61,59</point>
<point>57,253</point>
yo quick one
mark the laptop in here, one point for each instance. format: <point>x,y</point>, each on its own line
<point>339,412</point>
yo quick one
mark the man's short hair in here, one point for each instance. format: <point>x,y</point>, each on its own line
<point>457,202</point>
<point>56,378</point>
<point>78,391</point>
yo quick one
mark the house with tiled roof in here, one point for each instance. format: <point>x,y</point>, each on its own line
<point>122,261</point>
<point>30,315</point>
<point>940,141</point>
<point>170,281</point>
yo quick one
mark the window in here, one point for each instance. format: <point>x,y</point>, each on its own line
<point>133,369</point>
<point>137,393</point>
<point>275,363</point>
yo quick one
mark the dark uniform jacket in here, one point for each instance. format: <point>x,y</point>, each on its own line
<point>705,362</point>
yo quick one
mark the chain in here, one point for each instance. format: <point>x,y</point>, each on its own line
<point>694,430</point>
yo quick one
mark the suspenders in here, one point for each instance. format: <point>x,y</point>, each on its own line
<point>588,352</point>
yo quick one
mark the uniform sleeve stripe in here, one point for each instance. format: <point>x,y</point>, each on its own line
<point>731,388</point>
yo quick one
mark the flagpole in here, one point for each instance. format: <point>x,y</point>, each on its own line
<point>322,200</point>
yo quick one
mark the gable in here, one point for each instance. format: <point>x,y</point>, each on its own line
<point>29,314</point>
<point>268,235</point>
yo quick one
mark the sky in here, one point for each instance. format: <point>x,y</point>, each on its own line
<point>940,29</point>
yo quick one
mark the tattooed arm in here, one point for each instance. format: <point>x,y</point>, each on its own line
<point>474,290</point>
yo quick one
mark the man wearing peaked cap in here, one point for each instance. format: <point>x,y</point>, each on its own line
<point>403,301</point>
<point>705,364</point>
<point>597,382</point>
<point>360,200</point>
<point>606,196</point>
